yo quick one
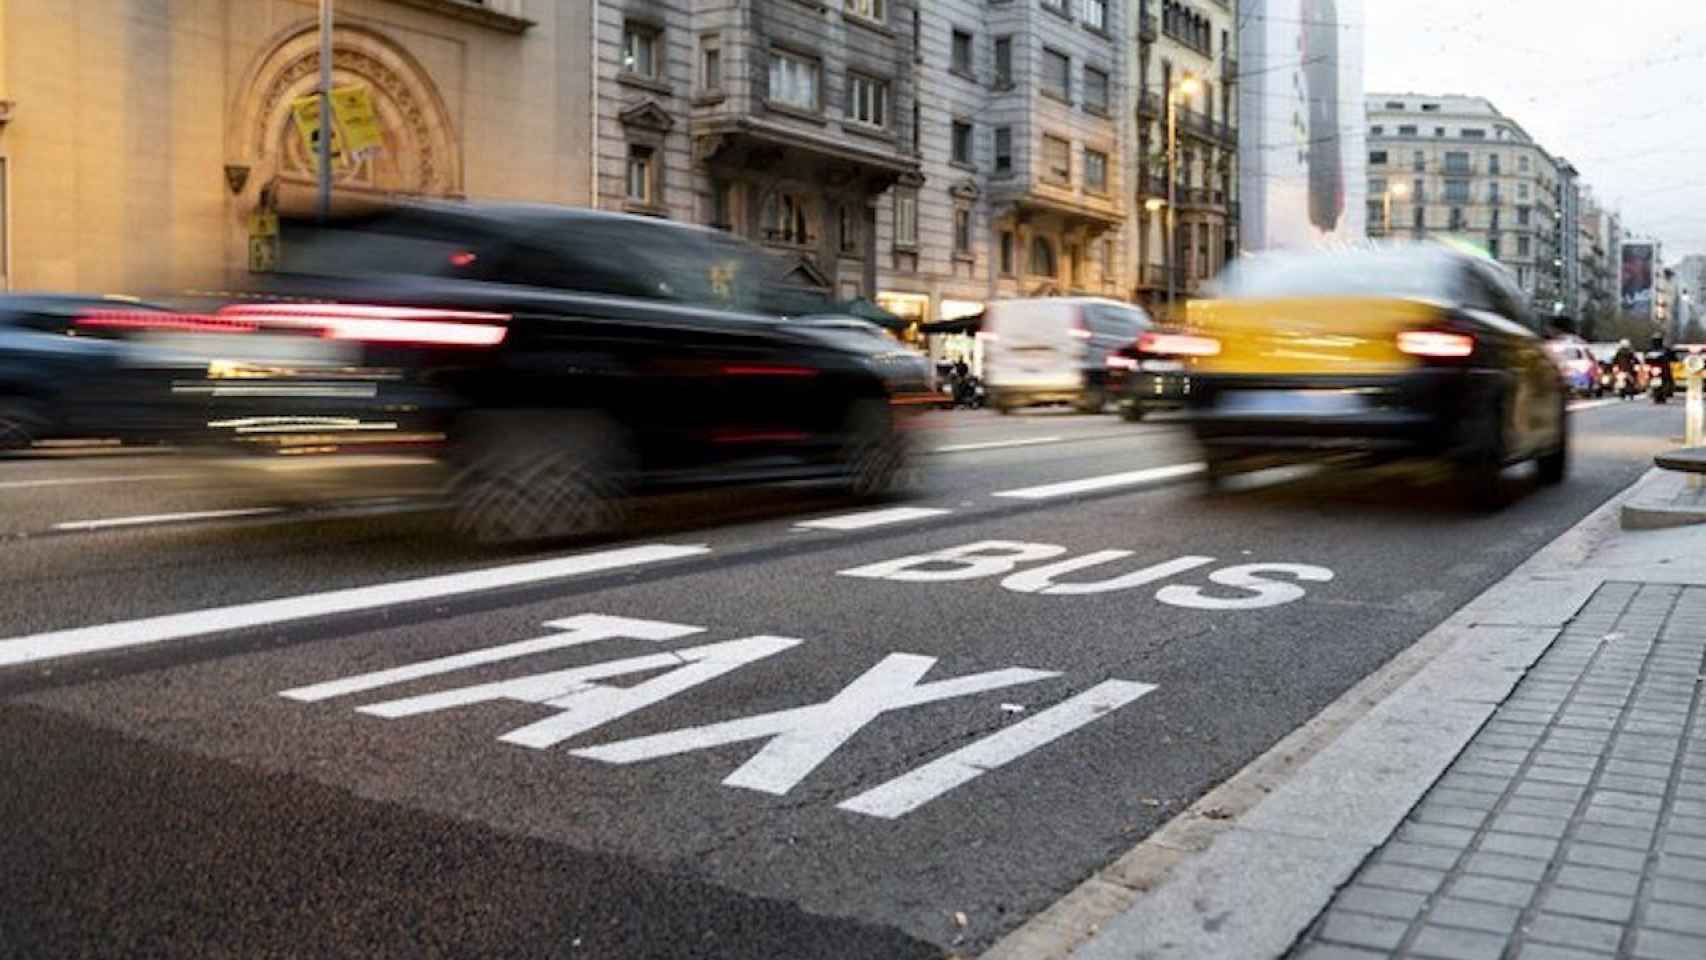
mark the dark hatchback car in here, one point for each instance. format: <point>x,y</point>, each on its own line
<point>1390,353</point>
<point>559,359</point>
<point>56,384</point>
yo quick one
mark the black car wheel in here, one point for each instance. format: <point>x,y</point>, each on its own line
<point>1551,467</point>
<point>20,424</point>
<point>876,454</point>
<point>526,476</point>
<point>1132,411</point>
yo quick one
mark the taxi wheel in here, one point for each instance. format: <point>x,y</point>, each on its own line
<point>1552,467</point>
<point>1093,401</point>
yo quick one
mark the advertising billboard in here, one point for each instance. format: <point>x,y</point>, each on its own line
<point>1637,282</point>
<point>1303,148</point>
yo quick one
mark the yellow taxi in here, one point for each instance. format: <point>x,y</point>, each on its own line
<point>1380,353</point>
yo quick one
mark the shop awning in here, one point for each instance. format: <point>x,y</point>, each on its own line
<point>969,324</point>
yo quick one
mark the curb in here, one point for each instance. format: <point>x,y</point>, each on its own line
<point>1246,869</point>
<point>1653,504</point>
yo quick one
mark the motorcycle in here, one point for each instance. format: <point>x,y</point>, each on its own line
<point>1624,381</point>
<point>1659,386</point>
<point>967,392</point>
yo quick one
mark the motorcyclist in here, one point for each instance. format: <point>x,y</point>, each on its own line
<point>1662,356</point>
<point>1625,358</point>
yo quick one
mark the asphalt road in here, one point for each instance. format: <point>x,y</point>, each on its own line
<point>761,726</point>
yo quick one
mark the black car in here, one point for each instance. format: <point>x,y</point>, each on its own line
<point>559,359</point>
<point>57,384</point>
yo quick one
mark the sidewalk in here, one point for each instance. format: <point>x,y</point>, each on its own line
<point>1528,781</point>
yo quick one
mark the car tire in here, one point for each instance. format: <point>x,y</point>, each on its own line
<point>1132,412</point>
<point>1481,474</point>
<point>876,454</point>
<point>527,476</point>
<point>1092,401</point>
<point>21,424</point>
<point>1218,469</point>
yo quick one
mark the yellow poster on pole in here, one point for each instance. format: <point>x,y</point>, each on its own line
<point>306,111</point>
<point>352,107</point>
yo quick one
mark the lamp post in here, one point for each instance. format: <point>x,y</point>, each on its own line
<point>1399,190</point>
<point>1188,85</point>
<point>325,139</point>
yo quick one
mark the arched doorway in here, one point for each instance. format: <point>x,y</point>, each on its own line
<point>420,153</point>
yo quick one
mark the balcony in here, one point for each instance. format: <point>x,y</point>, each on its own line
<point>1229,69</point>
<point>1149,104</point>
<point>1148,30</point>
<point>1226,133</point>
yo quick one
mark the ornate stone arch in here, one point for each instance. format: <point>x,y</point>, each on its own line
<point>421,154</point>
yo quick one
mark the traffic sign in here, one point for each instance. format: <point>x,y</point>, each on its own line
<point>306,111</point>
<point>358,124</point>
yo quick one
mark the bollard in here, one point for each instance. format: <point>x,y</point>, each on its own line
<point>1695,407</point>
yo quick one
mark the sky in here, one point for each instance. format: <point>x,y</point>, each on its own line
<point>1618,88</point>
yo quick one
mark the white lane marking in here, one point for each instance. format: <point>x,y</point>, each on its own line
<point>1042,579</point>
<point>912,790</point>
<point>1581,405</point>
<point>150,630</point>
<point>1111,482</point>
<point>873,518</point>
<point>87,481</point>
<point>798,740</point>
<point>574,631</point>
<point>152,519</point>
<point>986,558</point>
<point>997,445</point>
<point>1266,592</point>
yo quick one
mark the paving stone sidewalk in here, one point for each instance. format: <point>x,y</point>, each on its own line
<point>1573,826</point>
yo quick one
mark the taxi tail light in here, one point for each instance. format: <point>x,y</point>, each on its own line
<point>1435,344</point>
<point>1178,345</point>
<point>159,321</point>
<point>408,326</point>
<point>1118,362</point>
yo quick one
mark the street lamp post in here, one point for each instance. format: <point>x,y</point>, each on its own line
<point>325,138</point>
<point>1188,86</point>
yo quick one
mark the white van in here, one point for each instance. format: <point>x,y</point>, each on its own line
<point>1054,349</point>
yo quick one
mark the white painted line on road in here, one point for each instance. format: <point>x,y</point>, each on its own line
<point>151,519</point>
<point>873,518</point>
<point>150,630</point>
<point>997,445</point>
<point>1135,478</point>
<point>1581,405</point>
<point>86,481</point>
<point>912,790</point>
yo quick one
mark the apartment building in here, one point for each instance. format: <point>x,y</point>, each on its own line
<point>1598,298</point>
<point>1185,72</point>
<point>1455,166</point>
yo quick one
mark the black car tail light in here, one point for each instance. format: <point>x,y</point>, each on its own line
<point>423,326</point>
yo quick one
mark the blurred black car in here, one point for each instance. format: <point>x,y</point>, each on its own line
<point>1153,372</point>
<point>558,359</point>
<point>55,384</point>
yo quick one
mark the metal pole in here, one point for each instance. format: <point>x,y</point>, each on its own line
<point>1172,194</point>
<point>325,143</point>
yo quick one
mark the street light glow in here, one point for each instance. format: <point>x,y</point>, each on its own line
<point>1189,86</point>
<point>1399,190</point>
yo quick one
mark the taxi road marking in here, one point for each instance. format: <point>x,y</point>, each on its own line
<point>873,518</point>
<point>134,633</point>
<point>1135,478</point>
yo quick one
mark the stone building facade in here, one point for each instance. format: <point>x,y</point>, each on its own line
<point>138,138</point>
<point>1456,166</point>
<point>1179,41</point>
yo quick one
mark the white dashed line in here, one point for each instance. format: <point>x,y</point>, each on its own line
<point>87,481</point>
<point>1135,478</point>
<point>152,519</point>
<point>873,518</point>
<point>998,445</point>
<point>1581,405</point>
<point>134,633</point>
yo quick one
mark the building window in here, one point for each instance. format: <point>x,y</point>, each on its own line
<point>869,9</point>
<point>785,219</point>
<point>1522,163</point>
<point>962,231</point>
<point>917,128</point>
<point>1394,104</point>
<point>962,142</point>
<point>1419,161</point>
<point>906,219</point>
<point>1057,74</point>
<point>1096,90</point>
<point>794,81</point>
<point>642,175</point>
<point>1096,171</point>
<point>1406,131</point>
<point>848,228</point>
<point>1003,61</point>
<point>1007,253</point>
<point>1457,218</point>
<point>1493,164</point>
<point>1376,186</point>
<point>1522,191</point>
<point>1472,133</point>
<point>1377,131</point>
<point>1494,223</point>
<point>962,52</point>
<point>725,206</point>
<point>1493,246</point>
<point>711,63</point>
<point>1042,258</point>
<point>1417,191</point>
<point>1003,149</point>
<point>1457,191</point>
<point>1057,161</point>
<point>1377,158</point>
<point>641,49</point>
<point>867,100</point>
<point>1096,13</point>
<point>1421,218</point>
<point>1522,216</point>
<point>1522,246</point>
<point>1456,161</point>
<point>1058,6</point>
<point>1493,194</point>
